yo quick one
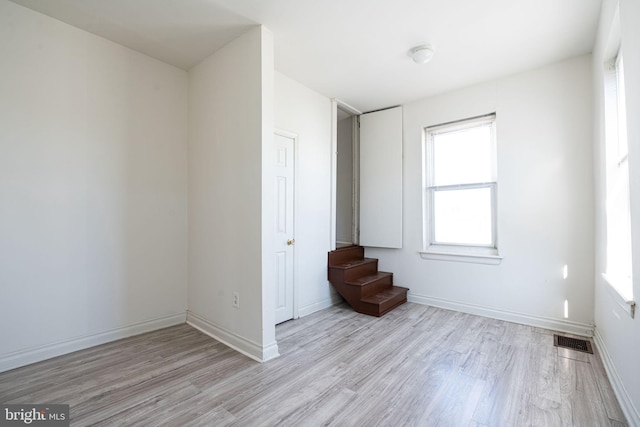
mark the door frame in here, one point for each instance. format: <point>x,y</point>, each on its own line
<point>294,137</point>
<point>355,200</point>
<point>335,103</point>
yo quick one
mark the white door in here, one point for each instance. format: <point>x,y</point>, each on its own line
<point>284,182</point>
<point>381,178</point>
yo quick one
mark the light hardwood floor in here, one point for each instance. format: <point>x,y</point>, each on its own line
<point>417,365</point>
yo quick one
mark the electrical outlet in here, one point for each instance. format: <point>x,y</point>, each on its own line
<point>236,300</point>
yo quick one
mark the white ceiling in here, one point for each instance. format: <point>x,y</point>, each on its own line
<point>355,50</point>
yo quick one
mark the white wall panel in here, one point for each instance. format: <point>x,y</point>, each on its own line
<point>307,114</point>
<point>93,188</point>
<point>381,178</point>
<point>545,198</point>
<point>231,205</point>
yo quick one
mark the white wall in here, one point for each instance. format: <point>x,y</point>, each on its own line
<point>307,114</point>
<point>93,189</point>
<point>617,334</point>
<point>230,116</point>
<point>544,201</point>
<point>344,186</point>
<point>269,208</point>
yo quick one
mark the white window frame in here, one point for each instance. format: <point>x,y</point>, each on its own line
<point>444,251</point>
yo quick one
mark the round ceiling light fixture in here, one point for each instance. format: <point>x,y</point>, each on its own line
<point>422,54</point>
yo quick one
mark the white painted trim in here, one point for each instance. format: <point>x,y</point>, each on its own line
<point>561,325</point>
<point>321,305</point>
<point>346,107</point>
<point>630,412</point>
<point>38,354</point>
<point>628,305</point>
<point>334,174</point>
<point>475,258</point>
<point>270,352</point>
<point>247,347</point>
<point>355,190</point>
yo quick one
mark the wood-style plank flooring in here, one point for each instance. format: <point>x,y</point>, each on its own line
<point>416,366</point>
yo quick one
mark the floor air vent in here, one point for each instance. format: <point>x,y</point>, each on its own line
<point>572,343</point>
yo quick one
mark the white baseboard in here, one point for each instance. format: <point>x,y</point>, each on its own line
<point>560,325</point>
<point>38,354</point>
<point>629,410</point>
<point>247,347</point>
<point>334,299</point>
<point>270,351</point>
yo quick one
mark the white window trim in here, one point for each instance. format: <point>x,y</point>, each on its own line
<point>479,254</point>
<point>491,257</point>
<point>613,285</point>
<point>620,100</point>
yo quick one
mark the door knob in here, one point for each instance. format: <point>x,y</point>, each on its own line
<point>291,242</point>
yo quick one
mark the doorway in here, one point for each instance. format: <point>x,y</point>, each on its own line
<point>347,176</point>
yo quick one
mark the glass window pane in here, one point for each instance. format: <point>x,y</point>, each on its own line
<point>463,157</point>
<point>623,145</point>
<point>463,216</point>
<point>619,259</point>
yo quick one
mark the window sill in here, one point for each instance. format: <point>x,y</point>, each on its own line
<point>625,302</point>
<point>488,256</point>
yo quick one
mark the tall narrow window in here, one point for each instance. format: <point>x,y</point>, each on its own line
<point>460,187</point>
<point>618,269</point>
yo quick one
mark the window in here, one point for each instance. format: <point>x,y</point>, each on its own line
<point>618,268</point>
<point>460,181</point>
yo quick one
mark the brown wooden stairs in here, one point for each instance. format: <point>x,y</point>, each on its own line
<point>358,280</point>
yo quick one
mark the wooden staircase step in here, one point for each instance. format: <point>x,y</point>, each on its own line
<point>385,301</point>
<point>346,254</point>
<point>353,263</point>
<point>353,269</point>
<point>364,280</point>
<point>372,284</point>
